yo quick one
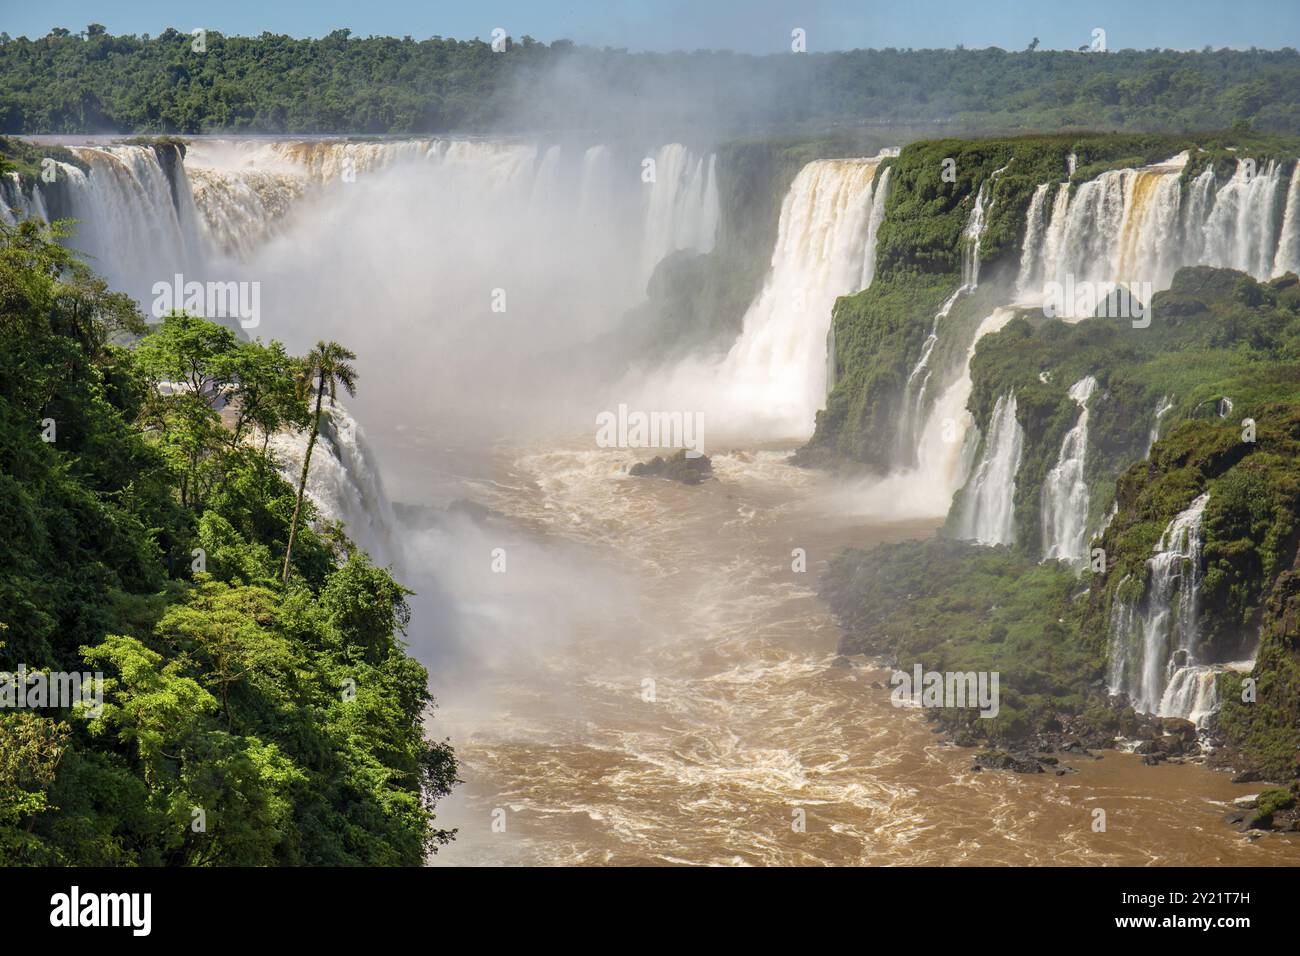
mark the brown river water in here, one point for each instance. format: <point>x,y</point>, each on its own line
<point>653,685</point>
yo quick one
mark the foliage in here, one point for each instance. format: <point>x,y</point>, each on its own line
<point>86,82</point>
<point>244,723</point>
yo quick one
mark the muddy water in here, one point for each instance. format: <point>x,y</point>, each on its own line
<point>649,682</point>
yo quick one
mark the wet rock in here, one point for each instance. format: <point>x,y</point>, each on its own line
<point>1248,776</point>
<point>1185,730</point>
<point>1257,821</point>
<point>842,662</point>
<point>1001,760</point>
<point>680,467</point>
<point>1170,744</point>
<point>1153,760</point>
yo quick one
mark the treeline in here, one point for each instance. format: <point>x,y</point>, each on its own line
<point>258,705</point>
<point>96,82</point>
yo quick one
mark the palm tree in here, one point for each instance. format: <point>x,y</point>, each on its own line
<point>328,362</point>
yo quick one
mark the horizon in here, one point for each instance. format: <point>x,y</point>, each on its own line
<point>640,26</point>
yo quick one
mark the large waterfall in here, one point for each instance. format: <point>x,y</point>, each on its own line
<point>1154,648</point>
<point>774,378</point>
<point>1124,226</point>
<point>988,512</point>
<point>1065,492</point>
<point>137,225</point>
<point>1142,225</point>
<point>142,223</point>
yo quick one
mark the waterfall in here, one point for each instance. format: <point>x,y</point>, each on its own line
<point>918,381</point>
<point>245,190</point>
<point>1288,247</point>
<point>1141,225</point>
<point>1163,407</point>
<point>972,235</point>
<point>1120,227</point>
<point>1240,231</point>
<point>344,481</point>
<point>15,204</point>
<point>681,210</point>
<point>134,227</point>
<point>777,371</point>
<point>917,385</point>
<point>988,513</point>
<point>1031,251</point>
<point>1193,693</point>
<point>1153,641</point>
<point>1065,492</point>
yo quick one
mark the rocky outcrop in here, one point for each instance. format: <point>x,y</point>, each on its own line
<point>680,467</point>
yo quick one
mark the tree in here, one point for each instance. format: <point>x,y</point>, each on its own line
<point>328,363</point>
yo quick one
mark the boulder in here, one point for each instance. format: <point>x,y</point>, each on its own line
<point>680,467</point>
<point>1179,727</point>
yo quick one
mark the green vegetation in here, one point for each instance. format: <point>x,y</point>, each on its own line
<point>879,332</point>
<point>92,81</point>
<point>954,606</point>
<point>951,606</point>
<point>142,530</point>
<point>1215,333</point>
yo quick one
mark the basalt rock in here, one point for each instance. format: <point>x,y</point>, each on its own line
<point>680,467</point>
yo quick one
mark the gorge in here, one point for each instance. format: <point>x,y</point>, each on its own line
<point>880,372</point>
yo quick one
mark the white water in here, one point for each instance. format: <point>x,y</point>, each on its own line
<point>774,378</point>
<point>1163,407</point>
<point>1288,247</point>
<point>344,481</point>
<point>1065,492</point>
<point>130,225</point>
<point>988,511</point>
<point>1138,225</point>
<point>1155,638</point>
<point>918,381</point>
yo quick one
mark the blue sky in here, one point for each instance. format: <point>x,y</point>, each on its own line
<point>752,26</point>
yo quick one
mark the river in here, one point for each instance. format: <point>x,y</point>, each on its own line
<point>649,682</point>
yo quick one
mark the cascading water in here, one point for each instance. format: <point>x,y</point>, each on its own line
<point>1065,492</point>
<point>1241,229</point>
<point>136,225</point>
<point>1163,407</point>
<point>344,481</point>
<point>774,378</point>
<point>1288,247</point>
<point>1153,641</point>
<point>1140,225</point>
<point>682,208</point>
<point>918,381</point>
<point>988,511</point>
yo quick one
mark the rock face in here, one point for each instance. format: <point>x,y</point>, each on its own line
<point>689,471</point>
